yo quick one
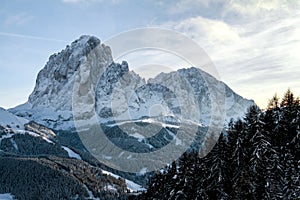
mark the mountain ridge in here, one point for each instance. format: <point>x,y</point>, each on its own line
<point>51,101</point>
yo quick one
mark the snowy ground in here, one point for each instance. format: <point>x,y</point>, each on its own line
<point>132,186</point>
<point>9,119</point>
<point>71,153</point>
<point>6,196</point>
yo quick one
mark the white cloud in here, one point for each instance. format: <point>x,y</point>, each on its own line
<point>185,6</point>
<point>237,8</point>
<point>256,57</point>
<point>210,30</point>
<point>258,8</point>
<point>31,37</point>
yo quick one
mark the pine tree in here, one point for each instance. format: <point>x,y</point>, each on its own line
<point>186,175</point>
<point>253,121</point>
<point>243,183</point>
<point>291,188</point>
<point>273,103</point>
<point>289,100</point>
<point>265,168</point>
<point>217,182</point>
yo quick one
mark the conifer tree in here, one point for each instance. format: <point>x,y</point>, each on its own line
<point>273,103</point>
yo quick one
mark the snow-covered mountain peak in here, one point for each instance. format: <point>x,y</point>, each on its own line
<point>55,81</point>
<point>116,93</point>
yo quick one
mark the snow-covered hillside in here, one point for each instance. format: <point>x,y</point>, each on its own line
<point>9,120</point>
<point>6,196</point>
<point>132,186</point>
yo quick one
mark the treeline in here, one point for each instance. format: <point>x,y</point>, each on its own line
<point>28,145</point>
<point>56,178</point>
<point>30,179</point>
<point>257,158</point>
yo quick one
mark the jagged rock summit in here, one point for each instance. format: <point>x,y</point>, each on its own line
<point>115,92</point>
<point>50,103</point>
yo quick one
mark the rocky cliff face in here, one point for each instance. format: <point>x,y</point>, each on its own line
<point>117,94</point>
<point>54,84</point>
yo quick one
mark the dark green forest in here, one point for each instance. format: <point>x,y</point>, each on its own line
<point>257,157</point>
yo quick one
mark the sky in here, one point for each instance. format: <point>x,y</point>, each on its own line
<point>254,44</point>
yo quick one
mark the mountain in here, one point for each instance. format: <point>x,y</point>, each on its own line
<point>82,86</point>
<point>82,82</point>
<point>118,94</point>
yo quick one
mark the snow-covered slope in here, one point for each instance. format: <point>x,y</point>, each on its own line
<point>117,93</point>
<point>20,131</point>
<point>132,186</point>
<point>71,153</point>
<point>6,196</point>
<point>9,120</point>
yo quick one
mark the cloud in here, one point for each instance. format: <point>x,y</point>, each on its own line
<point>18,19</point>
<point>234,8</point>
<point>31,37</point>
<point>261,51</point>
<point>259,8</point>
<point>210,30</point>
<point>185,5</point>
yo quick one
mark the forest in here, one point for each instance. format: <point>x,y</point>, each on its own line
<point>257,157</point>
